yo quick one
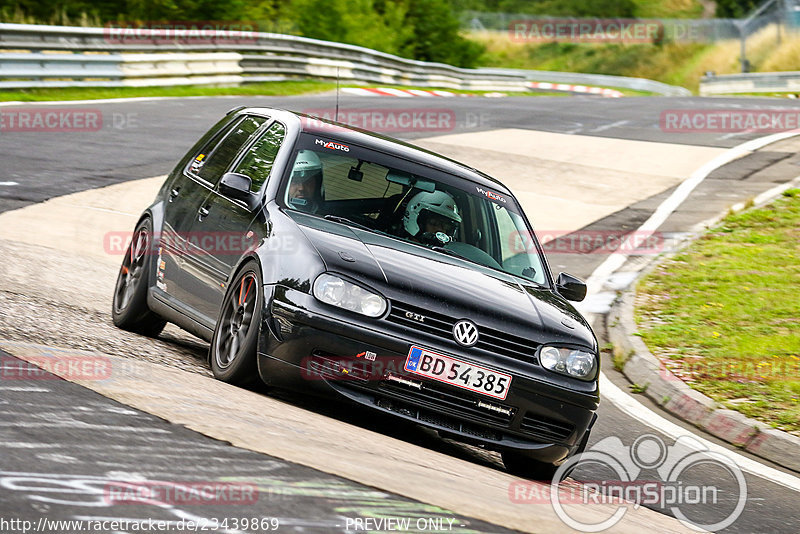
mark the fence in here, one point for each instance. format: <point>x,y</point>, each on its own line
<point>757,82</point>
<point>785,13</point>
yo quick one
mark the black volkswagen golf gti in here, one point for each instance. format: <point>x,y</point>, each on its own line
<point>316,256</point>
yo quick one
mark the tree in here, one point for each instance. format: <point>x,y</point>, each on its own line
<point>436,35</point>
<point>736,8</point>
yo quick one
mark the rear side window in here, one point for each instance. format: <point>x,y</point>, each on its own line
<point>215,158</point>
<point>257,163</point>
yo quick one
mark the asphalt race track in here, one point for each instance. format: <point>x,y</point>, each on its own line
<point>63,444</point>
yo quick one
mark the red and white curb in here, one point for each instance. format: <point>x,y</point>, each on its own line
<point>602,91</point>
<point>402,93</point>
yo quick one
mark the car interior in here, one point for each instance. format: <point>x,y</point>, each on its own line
<point>375,197</point>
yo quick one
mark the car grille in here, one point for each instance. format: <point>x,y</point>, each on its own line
<point>441,326</point>
<point>450,400</point>
<point>449,407</point>
<point>441,420</point>
<point>545,429</point>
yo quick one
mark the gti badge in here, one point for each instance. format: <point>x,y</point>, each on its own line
<point>415,317</point>
<point>465,333</point>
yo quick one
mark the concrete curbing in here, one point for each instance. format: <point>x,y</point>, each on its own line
<point>661,386</point>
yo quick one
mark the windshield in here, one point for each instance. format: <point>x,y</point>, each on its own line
<point>418,204</point>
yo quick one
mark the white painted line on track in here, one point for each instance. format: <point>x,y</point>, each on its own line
<point>605,127</point>
<point>625,402</point>
<point>636,410</point>
<point>617,260</point>
<point>9,183</point>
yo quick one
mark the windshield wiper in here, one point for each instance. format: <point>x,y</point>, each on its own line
<point>345,220</point>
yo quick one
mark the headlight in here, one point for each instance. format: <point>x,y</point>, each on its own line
<point>570,362</point>
<point>333,290</point>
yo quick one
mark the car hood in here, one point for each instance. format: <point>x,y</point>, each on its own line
<point>417,276</point>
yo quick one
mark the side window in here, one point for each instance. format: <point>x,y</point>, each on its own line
<point>512,241</point>
<point>519,255</point>
<point>257,163</point>
<point>210,166</point>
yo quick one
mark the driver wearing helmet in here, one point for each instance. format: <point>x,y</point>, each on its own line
<point>305,187</point>
<point>432,218</point>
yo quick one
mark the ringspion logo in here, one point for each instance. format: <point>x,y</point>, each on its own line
<point>682,479</point>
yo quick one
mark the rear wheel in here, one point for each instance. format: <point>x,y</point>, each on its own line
<point>235,341</point>
<point>129,310</point>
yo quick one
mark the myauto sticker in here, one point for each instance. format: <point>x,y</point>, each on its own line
<point>490,195</point>
<point>333,146</point>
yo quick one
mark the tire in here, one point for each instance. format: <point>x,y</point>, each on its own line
<point>233,347</point>
<point>520,464</point>
<point>129,309</point>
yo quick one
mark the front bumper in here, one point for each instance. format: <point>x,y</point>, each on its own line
<point>305,344</point>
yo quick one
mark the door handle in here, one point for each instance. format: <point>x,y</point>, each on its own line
<point>174,193</point>
<point>203,212</point>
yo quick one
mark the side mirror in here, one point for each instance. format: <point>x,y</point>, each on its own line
<point>570,287</point>
<point>236,186</point>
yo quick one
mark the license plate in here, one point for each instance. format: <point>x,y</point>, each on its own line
<point>457,373</point>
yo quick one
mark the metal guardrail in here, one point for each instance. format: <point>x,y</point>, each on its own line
<point>599,80</point>
<point>757,82</point>
<point>260,56</point>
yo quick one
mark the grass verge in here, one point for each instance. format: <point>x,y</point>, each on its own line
<point>97,93</point>
<point>674,63</point>
<point>285,88</point>
<point>724,315</point>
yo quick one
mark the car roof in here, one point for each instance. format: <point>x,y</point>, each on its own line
<point>382,143</point>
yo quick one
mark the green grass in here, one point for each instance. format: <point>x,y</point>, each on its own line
<point>725,313</point>
<point>681,64</point>
<point>256,89</point>
<point>668,9</point>
<point>92,93</point>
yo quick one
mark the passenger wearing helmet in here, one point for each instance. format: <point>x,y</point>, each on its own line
<point>432,218</point>
<point>305,186</point>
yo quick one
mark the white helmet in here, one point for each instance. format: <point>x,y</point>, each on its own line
<point>439,203</point>
<point>305,187</point>
<point>306,166</point>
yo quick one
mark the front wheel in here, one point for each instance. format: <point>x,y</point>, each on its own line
<point>235,341</point>
<point>520,464</point>
<point>129,310</point>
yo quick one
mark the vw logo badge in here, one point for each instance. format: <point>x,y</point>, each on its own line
<point>465,333</point>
